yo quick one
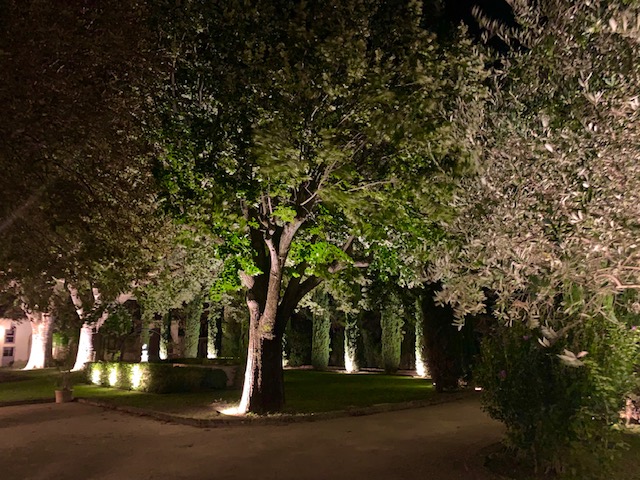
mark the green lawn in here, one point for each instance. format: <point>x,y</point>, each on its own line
<point>306,391</point>
<point>16,385</point>
<point>310,391</point>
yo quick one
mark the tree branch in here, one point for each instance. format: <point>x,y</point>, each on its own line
<point>618,284</point>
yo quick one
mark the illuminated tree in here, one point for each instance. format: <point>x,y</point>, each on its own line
<point>181,279</point>
<point>76,194</point>
<point>302,134</point>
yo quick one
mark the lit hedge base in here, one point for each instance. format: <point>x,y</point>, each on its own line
<point>155,377</point>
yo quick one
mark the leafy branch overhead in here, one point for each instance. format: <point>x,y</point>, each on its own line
<point>333,119</point>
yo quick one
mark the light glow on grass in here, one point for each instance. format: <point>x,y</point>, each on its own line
<point>136,377</point>
<point>113,376</point>
<point>235,410</point>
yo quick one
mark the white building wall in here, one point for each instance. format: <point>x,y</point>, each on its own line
<point>19,346</point>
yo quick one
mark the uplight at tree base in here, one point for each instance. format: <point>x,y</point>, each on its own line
<point>421,367</point>
<point>113,376</point>
<point>350,362</point>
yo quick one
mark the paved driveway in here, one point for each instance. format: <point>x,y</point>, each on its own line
<point>75,441</point>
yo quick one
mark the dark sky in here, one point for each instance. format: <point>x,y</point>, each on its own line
<point>461,9</point>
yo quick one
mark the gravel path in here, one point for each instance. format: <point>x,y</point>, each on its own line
<point>76,441</point>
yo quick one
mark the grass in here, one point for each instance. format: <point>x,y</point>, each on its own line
<point>310,391</point>
<point>307,391</point>
<point>627,468</point>
<point>18,385</point>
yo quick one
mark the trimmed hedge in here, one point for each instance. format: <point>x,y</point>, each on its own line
<point>226,361</point>
<point>155,377</point>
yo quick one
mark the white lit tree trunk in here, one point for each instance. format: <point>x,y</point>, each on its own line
<point>421,357</point>
<point>351,333</point>
<point>263,389</point>
<point>85,344</point>
<point>41,334</point>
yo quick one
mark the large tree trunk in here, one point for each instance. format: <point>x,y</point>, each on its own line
<point>41,338</point>
<point>443,342</point>
<point>263,390</point>
<point>85,347</point>
<point>269,311</point>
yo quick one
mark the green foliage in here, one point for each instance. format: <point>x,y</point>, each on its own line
<point>192,313</point>
<point>214,314</point>
<point>119,322</point>
<point>558,413</point>
<point>186,272</point>
<point>81,176</point>
<point>155,377</point>
<point>321,343</point>
<point>392,323</point>
<point>549,228</point>
<point>321,339</point>
<point>359,117</point>
<point>299,339</point>
<point>371,335</point>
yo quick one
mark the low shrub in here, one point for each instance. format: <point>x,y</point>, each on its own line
<point>155,377</point>
<point>225,361</point>
<point>560,417</point>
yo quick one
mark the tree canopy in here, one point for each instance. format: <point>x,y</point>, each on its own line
<point>76,194</point>
<point>300,133</point>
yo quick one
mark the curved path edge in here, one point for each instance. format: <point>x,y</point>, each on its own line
<point>281,418</point>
